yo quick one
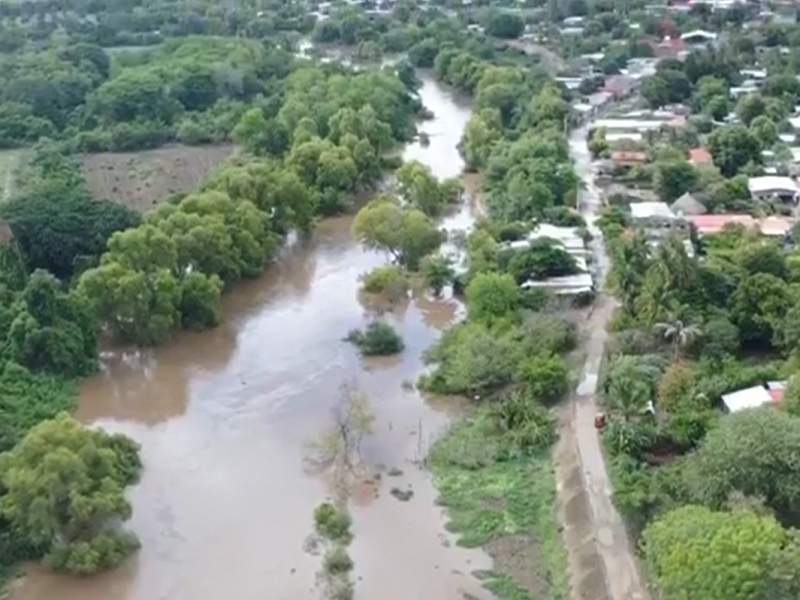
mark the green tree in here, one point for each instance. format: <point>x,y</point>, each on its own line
<point>749,107</point>
<point>733,147</point>
<point>678,334</point>
<point>492,296</point>
<point>420,188</point>
<point>698,553</point>
<point>64,487</point>
<point>438,272</point>
<point>405,233</point>
<point>744,454</point>
<point>673,179</point>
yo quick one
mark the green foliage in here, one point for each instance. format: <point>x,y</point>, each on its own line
<point>389,280</point>
<point>716,555</point>
<point>55,224</point>
<point>491,296</point>
<point>379,339</point>
<point>752,452</point>
<point>337,561</point>
<point>546,376</point>
<point>438,272</point>
<point>332,523</point>
<point>52,331</point>
<point>490,499</point>
<point>407,234</point>
<point>64,488</point>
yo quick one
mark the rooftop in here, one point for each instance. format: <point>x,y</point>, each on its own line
<point>646,210</point>
<point>771,183</point>
<point>752,397</point>
<point>699,156</point>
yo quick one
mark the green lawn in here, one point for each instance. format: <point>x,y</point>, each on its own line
<point>9,161</point>
<point>506,506</point>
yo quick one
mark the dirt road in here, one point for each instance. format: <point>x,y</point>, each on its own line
<point>602,560</point>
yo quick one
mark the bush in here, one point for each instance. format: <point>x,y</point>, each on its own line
<point>389,280</point>
<point>337,561</point>
<point>438,272</point>
<point>525,425</point>
<point>332,524</point>
<point>545,375</point>
<point>379,339</point>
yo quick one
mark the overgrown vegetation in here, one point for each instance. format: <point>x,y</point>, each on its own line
<point>379,339</point>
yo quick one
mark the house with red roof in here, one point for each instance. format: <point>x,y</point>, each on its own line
<point>700,156</point>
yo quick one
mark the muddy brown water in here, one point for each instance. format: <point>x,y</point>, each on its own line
<point>224,418</point>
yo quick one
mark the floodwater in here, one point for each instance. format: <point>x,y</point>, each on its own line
<point>224,418</point>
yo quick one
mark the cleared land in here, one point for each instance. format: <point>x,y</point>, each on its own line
<point>142,179</point>
<point>9,162</point>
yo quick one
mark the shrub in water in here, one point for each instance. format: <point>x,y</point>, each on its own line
<point>331,523</point>
<point>379,339</point>
<point>389,280</point>
<point>337,561</point>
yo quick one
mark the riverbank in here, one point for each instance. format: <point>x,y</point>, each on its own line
<point>505,506</point>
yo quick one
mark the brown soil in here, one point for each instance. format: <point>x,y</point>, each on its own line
<point>142,179</point>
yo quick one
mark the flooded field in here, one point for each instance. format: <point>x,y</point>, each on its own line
<point>224,418</point>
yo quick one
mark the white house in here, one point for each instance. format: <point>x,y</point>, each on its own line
<point>771,187</point>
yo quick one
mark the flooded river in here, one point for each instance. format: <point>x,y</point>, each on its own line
<point>224,417</point>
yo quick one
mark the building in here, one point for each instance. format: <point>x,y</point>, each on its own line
<point>772,187</point>
<point>620,86</point>
<point>656,215</point>
<point>699,37</point>
<point>688,205</point>
<point>754,397</point>
<point>700,156</point>
<point>774,226</point>
<point>623,158</point>
<point>569,285</point>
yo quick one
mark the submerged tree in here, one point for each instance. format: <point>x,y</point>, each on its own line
<point>65,491</point>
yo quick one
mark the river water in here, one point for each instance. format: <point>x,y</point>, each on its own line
<point>224,418</point>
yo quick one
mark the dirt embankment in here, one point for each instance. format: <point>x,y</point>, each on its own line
<point>142,179</point>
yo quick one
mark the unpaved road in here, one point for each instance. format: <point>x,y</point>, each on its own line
<point>602,560</point>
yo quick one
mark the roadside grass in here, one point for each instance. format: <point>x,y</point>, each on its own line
<point>9,161</point>
<point>506,506</point>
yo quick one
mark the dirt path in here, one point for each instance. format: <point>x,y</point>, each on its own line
<point>602,561</point>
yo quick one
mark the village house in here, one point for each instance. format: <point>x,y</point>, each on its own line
<point>773,227</point>
<point>699,37</point>
<point>754,397</point>
<point>656,216</point>
<point>772,187</point>
<point>688,205</point>
<point>628,158</point>
<point>620,86</point>
<point>700,156</point>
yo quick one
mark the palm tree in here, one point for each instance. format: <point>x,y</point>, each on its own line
<point>681,335</point>
<point>627,398</point>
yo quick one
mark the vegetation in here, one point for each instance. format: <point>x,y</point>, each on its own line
<point>379,339</point>
<point>64,492</point>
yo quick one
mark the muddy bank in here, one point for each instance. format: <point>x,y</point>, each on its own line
<point>224,418</point>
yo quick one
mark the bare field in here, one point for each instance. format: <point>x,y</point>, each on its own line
<point>142,179</point>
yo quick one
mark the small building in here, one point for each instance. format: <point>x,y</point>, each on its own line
<point>700,156</point>
<point>628,158</point>
<point>688,205</point>
<point>620,86</point>
<point>774,226</point>
<point>752,397</point>
<point>710,224</point>
<point>655,215</point>
<point>569,285</point>
<point>669,48</point>
<point>699,37</point>
<point>772,187</point>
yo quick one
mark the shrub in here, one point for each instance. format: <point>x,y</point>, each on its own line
<point>337,561</point>
<point>332,524</point>
<point>526,426</point>
<point>379,339</point>
<point>438,272</point>
<point>546,376</point>
<point>389,280</point>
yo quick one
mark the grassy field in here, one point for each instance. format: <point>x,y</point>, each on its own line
<point>508,507</point>
<point>9,161</point>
